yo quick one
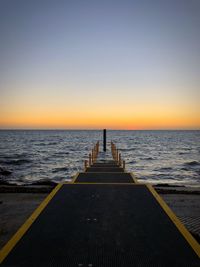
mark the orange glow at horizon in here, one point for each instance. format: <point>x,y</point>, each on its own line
<point>87,120</point>
<point>42,110</point>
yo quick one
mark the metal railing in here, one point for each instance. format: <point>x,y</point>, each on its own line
<point>92,156</point>
<point>117,156</point>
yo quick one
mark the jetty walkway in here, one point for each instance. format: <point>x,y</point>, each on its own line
<point>104,217</point>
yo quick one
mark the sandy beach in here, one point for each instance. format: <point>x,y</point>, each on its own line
<point>18,202</point>
<point>185,203</point>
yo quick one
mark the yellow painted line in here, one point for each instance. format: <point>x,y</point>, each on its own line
<point>99,168</point>
<point>134,178</point>
<point>104,172</point>
<point>74,178</point>
<point>190,239</point>
<point>132,175</point>
<point>104,165</point>
<point>117,173</point>
<point>22,230</point>
<point>132,184</point>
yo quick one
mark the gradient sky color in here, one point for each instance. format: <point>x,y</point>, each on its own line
<point>92,64</point>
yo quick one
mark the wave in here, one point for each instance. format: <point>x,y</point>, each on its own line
<point>44,182</point>
<point>131,162</point>
<point>40,144</point>
<point>185,169</point>
<point>4,171</point>
<point>16,161</point>
<point>46,144</point>
<point>52,143</point>
<point>61,169</point>
<point>4,182</point>
<point>61,153</point>
<point>127,149</point>
<point>198,171</point>
<point>15,156</point>
<point>164,169</point>
<point>192,163</point>
<point>147,158</point>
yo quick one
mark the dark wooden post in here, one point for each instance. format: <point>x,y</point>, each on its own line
<point>104,140</point>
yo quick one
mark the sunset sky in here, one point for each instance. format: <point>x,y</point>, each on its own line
<point>92,64</point>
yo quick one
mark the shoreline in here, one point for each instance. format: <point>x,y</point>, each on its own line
<point>17,203</point>
<point>47,187</point>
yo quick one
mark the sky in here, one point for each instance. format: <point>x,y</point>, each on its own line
<point>88,64</point>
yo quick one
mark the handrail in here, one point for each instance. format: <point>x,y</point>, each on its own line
<point>117,156</point>
<point>92,156</point>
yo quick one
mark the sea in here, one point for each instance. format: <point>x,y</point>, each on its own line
<point>30,157</point>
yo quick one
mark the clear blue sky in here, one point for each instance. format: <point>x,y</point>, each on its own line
<point>135,64</point>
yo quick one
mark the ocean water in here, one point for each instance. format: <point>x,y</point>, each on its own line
<point>37,156</point>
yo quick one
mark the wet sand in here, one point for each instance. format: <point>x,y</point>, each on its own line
<point>18,202</point>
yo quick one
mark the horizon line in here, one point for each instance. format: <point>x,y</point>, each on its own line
<point>100,129</point>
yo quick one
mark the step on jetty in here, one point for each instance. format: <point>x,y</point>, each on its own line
<point>104,217</point>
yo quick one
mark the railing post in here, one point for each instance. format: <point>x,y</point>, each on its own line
<point>120,161</point>
<point>117,155</point>
<point>92,155</point>
<point>86,164</point>
<point>95,154</point>
<point>124,164</point>
<point>104,140</point>
<point>114,152</point>
<point>97,145</point>
<point>90,159</point>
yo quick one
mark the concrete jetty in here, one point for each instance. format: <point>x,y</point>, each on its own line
<point>104,217</point>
